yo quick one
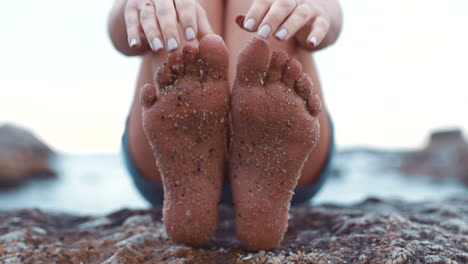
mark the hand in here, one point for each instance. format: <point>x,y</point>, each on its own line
<point>158,21</point>
<point>304,19</point>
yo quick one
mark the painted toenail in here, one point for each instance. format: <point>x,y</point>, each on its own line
<point>189,33</point>
<point>281,34</point>
<point>157,44</point>
<point>264,31</point>
<point>133,43</point>
<point>313,40</point>
<point>172,44</point>
<point>249,24</point>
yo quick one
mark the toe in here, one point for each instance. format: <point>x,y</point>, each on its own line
<point>314,104</point>
<point>214,57</point>
<point>175,61</point>
<point>291,72</point>
<point>252,62</point>
<point>277,64</point>
<point>190,54</point>
<point>163,77</point>
<point>170,71</point>
<point>303,88</point>
<point>148,95</point>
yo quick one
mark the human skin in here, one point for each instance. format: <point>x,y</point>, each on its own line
<point>221,16</point>
<point>185,118</point>
<point>316,25</point>
<point>274,113</point>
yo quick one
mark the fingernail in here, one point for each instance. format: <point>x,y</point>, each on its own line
<point>172,44</point>
<point>313,40</point>
<point>264,31</point>
<point>133,43</point>
<point>189,33</point>
<point>249,24</point>
<point>157,44</point>
<point>282,34</point>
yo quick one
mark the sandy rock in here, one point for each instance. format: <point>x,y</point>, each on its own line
<point>374,231</point>
<point>22,156</point>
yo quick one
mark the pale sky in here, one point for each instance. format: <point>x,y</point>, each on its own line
<point>399,70</point>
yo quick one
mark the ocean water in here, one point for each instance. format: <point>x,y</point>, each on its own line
<point>99,184</point>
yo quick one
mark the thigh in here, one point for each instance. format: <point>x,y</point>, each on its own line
<point>214,9</point>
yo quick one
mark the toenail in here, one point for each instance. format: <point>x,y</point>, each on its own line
<point>249,24</point>
<point>172,44</point>
<point>281,34</point>
<point>157,44</point>
<point>264,31</point>
<point>189,33</point>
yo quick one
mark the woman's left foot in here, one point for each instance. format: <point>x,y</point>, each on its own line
<point>275,127</point>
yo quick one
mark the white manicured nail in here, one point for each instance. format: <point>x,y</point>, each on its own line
<point>313,40</point>
<point>189,33</point>
<point>282,34</point>
<point>133,43</point>
<point>172,44</point>
<point>249,24</point>
<point>157,44</point>
<point>264,31</point>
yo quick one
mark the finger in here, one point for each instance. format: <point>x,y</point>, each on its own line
<point>167,18</point>
<point>132,23</point>
<point>204,26</point>
<point>150,26</point>
<point>278,12</point>
<point>186,12</point>
<point>320,28</point>
<point>298,18</point>
<point>256,13</point>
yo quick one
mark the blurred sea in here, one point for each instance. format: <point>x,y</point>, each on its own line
<point>99,184</point>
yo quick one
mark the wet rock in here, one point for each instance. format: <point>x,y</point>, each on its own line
<point>22,156</point>
<point>444,157</point>
<point>374,231</point>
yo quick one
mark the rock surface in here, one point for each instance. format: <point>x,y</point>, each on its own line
<point>444,157</point>
<point>373,231</point>
<point>22,156</point>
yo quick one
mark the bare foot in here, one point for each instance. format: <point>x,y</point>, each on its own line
<point>185,118</point>
<point>275,127</point>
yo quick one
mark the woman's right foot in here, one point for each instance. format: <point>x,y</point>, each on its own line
<point>185,118</point>
<point>275,127</point>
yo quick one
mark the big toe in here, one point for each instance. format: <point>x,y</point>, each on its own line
<point>214,57</point>
<point>252,62</point>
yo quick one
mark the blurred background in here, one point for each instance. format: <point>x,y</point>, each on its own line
<point>397,74</point>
